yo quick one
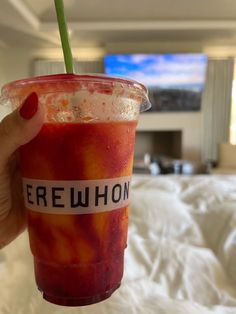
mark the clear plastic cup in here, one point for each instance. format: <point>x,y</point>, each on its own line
<point>76,179</point>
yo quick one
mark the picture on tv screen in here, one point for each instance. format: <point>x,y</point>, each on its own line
<point>175,81</point>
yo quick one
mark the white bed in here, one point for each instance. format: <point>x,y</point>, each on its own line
<point>181,255</point>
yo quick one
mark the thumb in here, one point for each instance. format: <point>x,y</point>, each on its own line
<point>19,127</point>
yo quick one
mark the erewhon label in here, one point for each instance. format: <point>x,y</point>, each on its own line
<point>76,197</point>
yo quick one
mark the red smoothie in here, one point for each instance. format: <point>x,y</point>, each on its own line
<point>91,244</point>
<point>76,180</point>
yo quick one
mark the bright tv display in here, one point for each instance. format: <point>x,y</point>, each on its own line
<point>175,81</point>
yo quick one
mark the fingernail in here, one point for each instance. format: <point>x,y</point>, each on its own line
<point>29,106</point>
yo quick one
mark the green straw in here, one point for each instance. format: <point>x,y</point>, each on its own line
<point>68,59</point>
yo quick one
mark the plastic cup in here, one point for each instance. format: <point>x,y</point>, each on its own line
<point>76,180</point>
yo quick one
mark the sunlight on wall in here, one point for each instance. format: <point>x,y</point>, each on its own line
<point>232,130</point>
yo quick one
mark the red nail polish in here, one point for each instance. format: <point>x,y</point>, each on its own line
<point>29,106</point>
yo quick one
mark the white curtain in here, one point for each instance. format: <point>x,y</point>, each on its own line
<point>47,67</point>
<point>216,106</point>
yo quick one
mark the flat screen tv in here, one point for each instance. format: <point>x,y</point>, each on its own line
<point>175,81</point>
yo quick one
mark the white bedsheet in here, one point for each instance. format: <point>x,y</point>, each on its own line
<point>181,255</point>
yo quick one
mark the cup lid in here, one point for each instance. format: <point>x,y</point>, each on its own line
<point>74,82</point>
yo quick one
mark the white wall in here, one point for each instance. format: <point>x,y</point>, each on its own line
<point>154,47</point>
<point>17,62</point>
<point>2,67</point>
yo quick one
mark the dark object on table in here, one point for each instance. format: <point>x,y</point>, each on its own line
<point>156,165</point>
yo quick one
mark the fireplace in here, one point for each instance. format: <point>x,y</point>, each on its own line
<point>160,152</point>
<point>159,143</point>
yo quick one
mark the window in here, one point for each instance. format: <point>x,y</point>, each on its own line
<point>232,131</point>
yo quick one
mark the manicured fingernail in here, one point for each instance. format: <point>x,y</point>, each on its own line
<point>29,106</point>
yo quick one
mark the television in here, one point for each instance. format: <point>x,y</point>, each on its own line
<point>175,81</point>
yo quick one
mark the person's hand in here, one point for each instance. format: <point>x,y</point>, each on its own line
<point>16,129</point>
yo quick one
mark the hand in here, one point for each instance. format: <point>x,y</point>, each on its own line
<point>16,129</point>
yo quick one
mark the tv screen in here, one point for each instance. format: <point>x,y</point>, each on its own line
<point>175,81</point>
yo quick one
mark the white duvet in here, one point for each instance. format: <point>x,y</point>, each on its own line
<point>181,255</point>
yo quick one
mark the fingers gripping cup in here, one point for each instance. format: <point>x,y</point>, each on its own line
<point>76,182</point>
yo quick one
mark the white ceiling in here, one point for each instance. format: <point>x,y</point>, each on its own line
<point>33,22</point>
